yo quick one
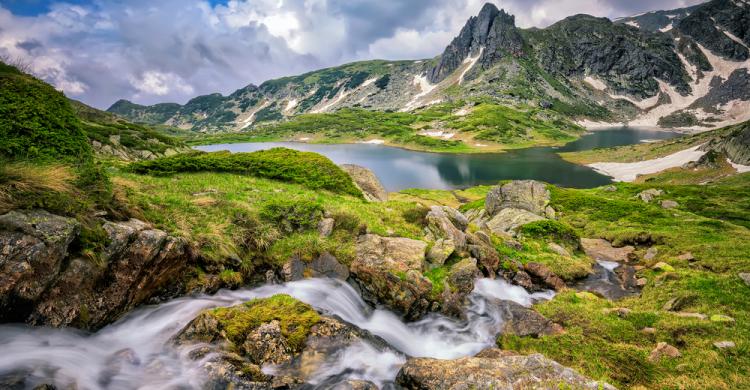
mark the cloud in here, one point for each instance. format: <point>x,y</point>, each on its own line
<point>103,50</point>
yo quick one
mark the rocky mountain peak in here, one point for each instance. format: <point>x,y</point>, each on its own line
<point>493,33</point>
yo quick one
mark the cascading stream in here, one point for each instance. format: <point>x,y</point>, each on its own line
<point>135,352</point>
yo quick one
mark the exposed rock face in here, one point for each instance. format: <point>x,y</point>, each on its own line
<point>389,270</point>
<point>493,32</point>
<point>492,370</point>
<point>529,195</point>
<point>42,285</point>
<point>445,228</point>
<point>522,321</point>
<point>705,25</point>
<point>366,180</point>
<point>545,275</point>
<point>736,146</point>
<point>507,221</point>
<point>600,249</point>
<point>325,266</point>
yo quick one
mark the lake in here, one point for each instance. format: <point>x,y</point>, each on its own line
<point>399,169</point>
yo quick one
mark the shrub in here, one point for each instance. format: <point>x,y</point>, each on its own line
<point>292,215</point>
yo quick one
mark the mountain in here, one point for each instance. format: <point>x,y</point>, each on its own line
<point>678,68</point>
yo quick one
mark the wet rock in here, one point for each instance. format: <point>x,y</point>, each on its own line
<point>527,195</point>
<point>366,180</point>
<point>663,350</point>
<point>390,270</point>
<point>612,285</point>
<point>545,275</point>
<point>324,266</point>
<point>599,249</point>
<point>355,385</point>
<point>522,321</point>
<point>325,227</point>
<point>669,204</point>
<point>508,220</point>
<point>724,344</point>
<point>500,371</point>
<point>649,195</point>
<point>523,279</point>
<point>487,257</point>
<point>56,290</point>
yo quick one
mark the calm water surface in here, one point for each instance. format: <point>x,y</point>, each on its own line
<point>399,169</point>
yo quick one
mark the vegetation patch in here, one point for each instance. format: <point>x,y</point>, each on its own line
<point>309,169</point>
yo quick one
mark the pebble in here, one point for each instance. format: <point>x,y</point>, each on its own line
<point>664,350</point>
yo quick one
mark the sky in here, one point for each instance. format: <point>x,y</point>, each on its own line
<point>99,51</point>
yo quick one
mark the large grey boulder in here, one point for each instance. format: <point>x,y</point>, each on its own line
<point>445,227</point>
<point>367,182</point>
<point>528,195</point>
<point>507,221</point>
<point>493,369</point>
<point>522,321</point>
<point>389,271</point>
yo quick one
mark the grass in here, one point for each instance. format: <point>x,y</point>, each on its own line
<point>309,169</point>
<point>497,127</point>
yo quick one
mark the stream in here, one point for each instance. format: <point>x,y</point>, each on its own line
<point>136,351</point>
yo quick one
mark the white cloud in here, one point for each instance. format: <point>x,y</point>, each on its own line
<point>172,50</point>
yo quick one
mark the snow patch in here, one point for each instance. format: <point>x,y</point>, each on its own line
<point>424,88</point>
<point>665,29</point>
<point>740,168</point>
<point>595,83</point>
<point>368,82</point>
<point>438,134</point>
<point>291,104</point>
<point>251,118</point>
<point>372,142</point>
<point>471,61</point>
<point>629,171</point>
<point>633,23</point>
<point>339,97</point>
<point>644,104</point>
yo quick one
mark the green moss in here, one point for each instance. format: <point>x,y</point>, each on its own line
<point>295,318</point>
<point>552,230</point>
<point>437,276</point>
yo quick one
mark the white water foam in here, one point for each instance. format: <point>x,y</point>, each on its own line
<point>135,352</point>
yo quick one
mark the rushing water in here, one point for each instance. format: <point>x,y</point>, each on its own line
<point>399,169</point>
<point>136,351</point>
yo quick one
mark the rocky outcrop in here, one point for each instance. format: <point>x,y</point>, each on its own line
<point>233,344</point>
<point>445,227</point>
<point>707,23</point>
<point>45,283</point>
<point>600,249</point>
<point>522,321</point>
<point>492,33</point>
<point>492,369</point>
<point>735,146</point>
<point>367,182</point>
<point>324,266</point>
<point>507,221</point>
<point>515,204</point>
<point>389,271</point>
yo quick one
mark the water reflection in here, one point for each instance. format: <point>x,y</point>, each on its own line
<point>399,169</point>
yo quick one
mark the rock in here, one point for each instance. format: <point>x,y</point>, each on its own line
<point>648,330</point>
<point>462,275</point>
<point>669,204</point>
<point>620,311</point>
<point>324,266</point>
<point>651,253</point>
<point>678,303</point>
<point>325,227</point>
<point>499,371</point>
<point>554,247</point>
<point>541,272</point>
<point>609,188</point>
<point>602,250</point>
<point>524,280</point>
<point>550,213</point>
<point>137,263</point>
<point>366,181</point>
<point>522,321</point>
<point>745,276</point>
<point>389,269</point>
<point>508,220</point>
<point>721,318</point>
<point>698,316</point>
<point>663,350</point>
<point>487,257</point>
<point>440,251</point>
<point>528,195</point>
<point>724,344</point>
<point>640,282</point>
<point>441,225</point>
<point>663,267</point>
<point>687,256</point>
<point>649,195</point>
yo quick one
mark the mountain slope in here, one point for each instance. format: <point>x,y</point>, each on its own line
<point>689,72</point>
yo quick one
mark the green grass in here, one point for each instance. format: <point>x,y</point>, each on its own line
<point>309,169</point>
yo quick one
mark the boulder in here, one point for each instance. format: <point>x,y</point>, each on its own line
<point>555,247</point>
<point>325,227</point>
<point>458,285</point>
<point>42,285</point>
<point>528,195</point>
<point>649,195</point>
<point>669,204</point>
<point>545,275</point>
<point>522,321</point>
<point>492,370</point>
<point>440,251</point>
<point>367,182</point>
<point>602,250</point>
<point>389,271</point>
<point>745,277</point>
<point>724,344</point>
<point>663,350</point>
<point>324,266</point>
<point>508,220</point>
<point>663,267</point>
<point>487,257</point>
<point>521,278</point>
<point>447,224</point>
